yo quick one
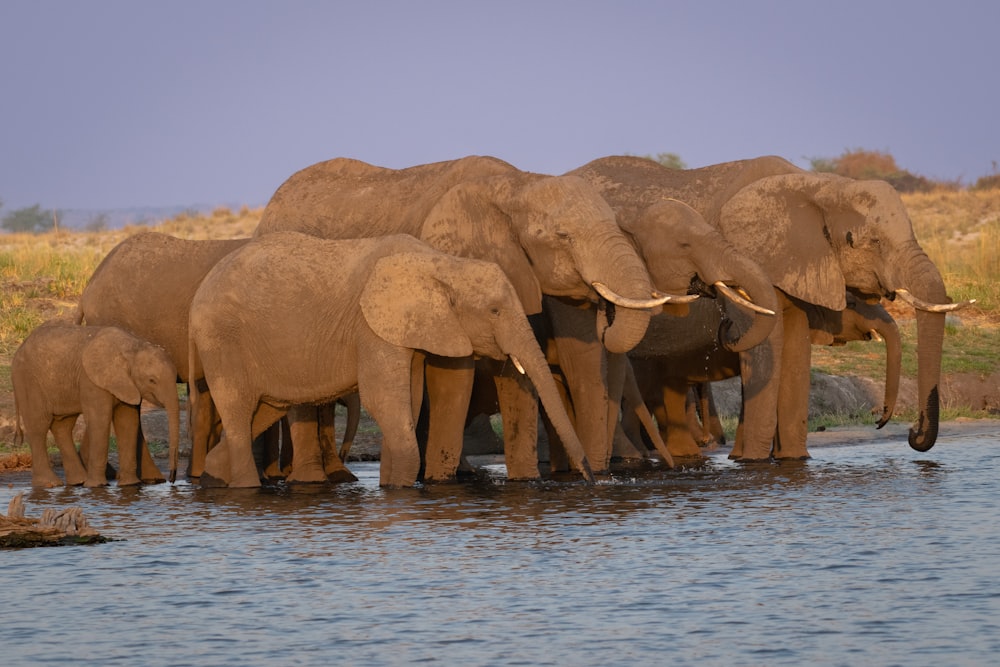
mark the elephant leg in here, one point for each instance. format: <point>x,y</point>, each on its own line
<point>693,416</point>
<point>307,455</point>
<point>73,468</point>
<point>268,447</point>
<point>519,414</point>
<point>793,391</point>
<point>759,368</point>
<point>333,465</point>
<point>42,473</point>
<point>126,422</point>
<point>353,404</point>
<point>204,426</point>
<point>680,442</point>
<point>449,389</point>
<point>149,472</point>
<point>98,436</point>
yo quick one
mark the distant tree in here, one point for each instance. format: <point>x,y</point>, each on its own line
<point>866,164</point>
<point>98,223</point>
<point>33,219</point>
<point>668,160</point>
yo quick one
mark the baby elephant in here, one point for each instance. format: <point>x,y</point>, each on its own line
<point>62,370</point>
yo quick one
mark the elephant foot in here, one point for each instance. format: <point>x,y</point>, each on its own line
<point>95,483</point>
<point>209,481</point>
<point>313,475</point>
<point>342,476</point>
<point>46,482</point>
<point>153,478</point>
<point>129,481</point>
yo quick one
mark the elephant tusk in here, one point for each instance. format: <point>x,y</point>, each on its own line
<point>736,297</point>
<point>919,304</point>
<point>657,299</point>
<point>876,336</point>
<point>517,365</point>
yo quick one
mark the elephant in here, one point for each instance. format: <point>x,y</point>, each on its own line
<point>61,371</point>
<point>293,320</point>
<point>551,235</point>
<point>665,382</point>
<point>683,253</point>
<point>145,285</point>
<point>816,236</point>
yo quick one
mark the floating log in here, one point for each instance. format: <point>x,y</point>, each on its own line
<point>56,527</point>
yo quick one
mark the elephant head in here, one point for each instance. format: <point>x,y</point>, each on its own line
<point>456,307</point>
<point>678,246</point>
<point>133,370</point>
<point>554,235</point>
<point>825,234</point>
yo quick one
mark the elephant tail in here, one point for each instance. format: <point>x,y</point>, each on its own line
<point>18,429</point>
<point>78,315</point>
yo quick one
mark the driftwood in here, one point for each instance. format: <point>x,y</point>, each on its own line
<point>56,527</point>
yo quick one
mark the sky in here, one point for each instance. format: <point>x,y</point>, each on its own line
<point>113,104</point>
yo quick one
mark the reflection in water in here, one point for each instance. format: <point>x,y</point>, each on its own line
<point>862,555</point>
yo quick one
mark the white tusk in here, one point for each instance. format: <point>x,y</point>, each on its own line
<point>517,365</point>
<point>876,336</point>
<point>906,296</point>
<point>657,299</point>
<point>738,298</point>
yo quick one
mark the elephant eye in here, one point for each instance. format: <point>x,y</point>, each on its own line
<point>495,311</point>
<point>850,239</point>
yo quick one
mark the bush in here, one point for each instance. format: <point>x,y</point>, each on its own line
<point>864,164</point>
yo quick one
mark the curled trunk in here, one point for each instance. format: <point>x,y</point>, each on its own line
<point>613,261</point>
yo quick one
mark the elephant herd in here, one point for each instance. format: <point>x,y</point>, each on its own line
<point>592,299</point>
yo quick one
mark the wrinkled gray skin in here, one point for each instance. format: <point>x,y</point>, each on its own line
<point>551,235</point>
<point>664,382</point>
<point>293,320</point>
<point>816,236</point>
<point>61,371</point>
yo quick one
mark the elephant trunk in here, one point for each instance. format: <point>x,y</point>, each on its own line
<point>619,327</point>
<point>893,367</point>
<point>519,342</point>
<point>924,281</point>
<point>747,329</point>
<point>171,404</point>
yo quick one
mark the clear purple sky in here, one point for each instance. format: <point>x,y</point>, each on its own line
<point>108,104</point>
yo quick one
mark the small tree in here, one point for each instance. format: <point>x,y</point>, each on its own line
<point>33,219</point>
<point>865,164</point>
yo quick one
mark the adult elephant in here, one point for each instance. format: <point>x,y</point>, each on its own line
<point>816,236</point>
<point>145,285</point>
<point>684,253</point>
<point>292,320</point>
<point>664,380</point>
<point>61,371</point>
<point>551,235</point>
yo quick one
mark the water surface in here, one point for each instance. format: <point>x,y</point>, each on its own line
<point>866,554</point>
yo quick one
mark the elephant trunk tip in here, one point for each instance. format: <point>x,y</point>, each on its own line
<point>924,433</point>
<point>884,419</point>
<point>588,474</point>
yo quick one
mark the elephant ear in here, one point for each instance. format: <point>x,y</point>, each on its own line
<point>777,222</point>
<point>469,222</point>
<point>406,305</point>
<point>106,361</point>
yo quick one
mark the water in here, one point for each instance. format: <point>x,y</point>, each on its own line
<point>867,554</point>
